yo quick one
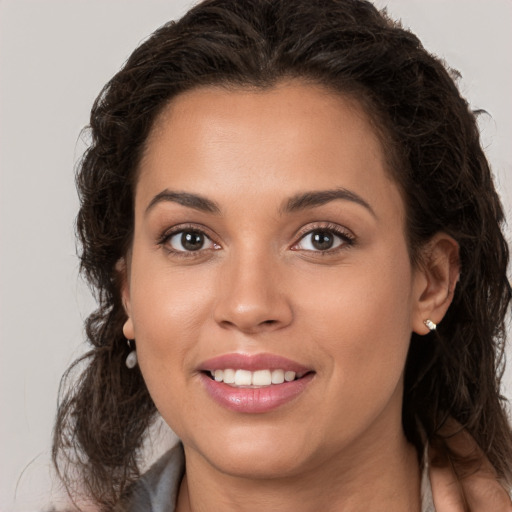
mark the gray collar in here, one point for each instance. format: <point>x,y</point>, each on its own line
<point>157,489</point>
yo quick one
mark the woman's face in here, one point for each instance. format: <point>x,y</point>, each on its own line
<point>269,239</point>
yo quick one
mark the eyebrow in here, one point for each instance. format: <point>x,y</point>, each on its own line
<point>296,203</point>
<point>318,198</point>
<point>187,199</point>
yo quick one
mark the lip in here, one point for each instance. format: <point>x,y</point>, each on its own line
<point>252,362</point>
<point>254,400</point>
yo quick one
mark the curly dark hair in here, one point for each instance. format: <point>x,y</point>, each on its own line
<point>435,156</point>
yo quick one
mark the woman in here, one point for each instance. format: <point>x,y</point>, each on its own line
<point>281,202</point>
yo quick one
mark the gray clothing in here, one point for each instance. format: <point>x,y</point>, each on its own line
<point>157,490</point>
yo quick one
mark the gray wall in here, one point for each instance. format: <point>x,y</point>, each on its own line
<point>54,58</point>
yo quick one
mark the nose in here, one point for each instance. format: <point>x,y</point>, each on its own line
<point>252,294</point>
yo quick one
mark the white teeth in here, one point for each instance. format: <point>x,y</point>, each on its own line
<point>229,376</point>
<point>289,376</point>
<point>257,378</point>
<point>277,376</point>
<point>261,378</point>
<point>243,378</point>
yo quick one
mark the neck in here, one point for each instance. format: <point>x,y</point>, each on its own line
<point>379,476</point>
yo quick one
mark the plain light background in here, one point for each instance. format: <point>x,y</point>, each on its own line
<point>55,55</point>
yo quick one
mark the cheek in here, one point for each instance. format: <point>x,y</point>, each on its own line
<point>360,319</point>
<point>167,320</point>
<point>165,297</point>
<point>169,309</point>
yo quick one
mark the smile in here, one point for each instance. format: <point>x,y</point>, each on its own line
<point>258,378</point>
<point>256,383</point>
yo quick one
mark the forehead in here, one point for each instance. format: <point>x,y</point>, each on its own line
<point>240,142</point>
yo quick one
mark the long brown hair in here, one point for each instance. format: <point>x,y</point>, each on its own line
<point>435,156</point>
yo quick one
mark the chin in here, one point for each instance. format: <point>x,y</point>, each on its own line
<point>259,464</point>
<point>256,453</point>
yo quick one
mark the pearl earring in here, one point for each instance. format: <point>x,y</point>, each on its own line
<point>131,358</point>
<point>431,325</point>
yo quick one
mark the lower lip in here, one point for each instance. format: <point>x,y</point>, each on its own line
<point>255,400</point>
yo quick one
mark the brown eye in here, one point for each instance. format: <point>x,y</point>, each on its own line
<point>189,241</point>
<point>322,240</point>
<point>192,241</point>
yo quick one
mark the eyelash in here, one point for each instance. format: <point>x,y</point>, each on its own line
<point>347,239</point>
<point>165,238</point>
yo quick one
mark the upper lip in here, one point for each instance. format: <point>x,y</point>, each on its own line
<point>252,362</point>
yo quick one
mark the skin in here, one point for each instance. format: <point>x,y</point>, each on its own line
<point>459,486</point>
<point>258,285</point>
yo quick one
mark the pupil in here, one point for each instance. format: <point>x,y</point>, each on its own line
<point>322,240</point>
<point>192,241</point>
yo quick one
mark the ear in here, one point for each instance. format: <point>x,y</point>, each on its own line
<point>124,285</point>
<point>435,279</point>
